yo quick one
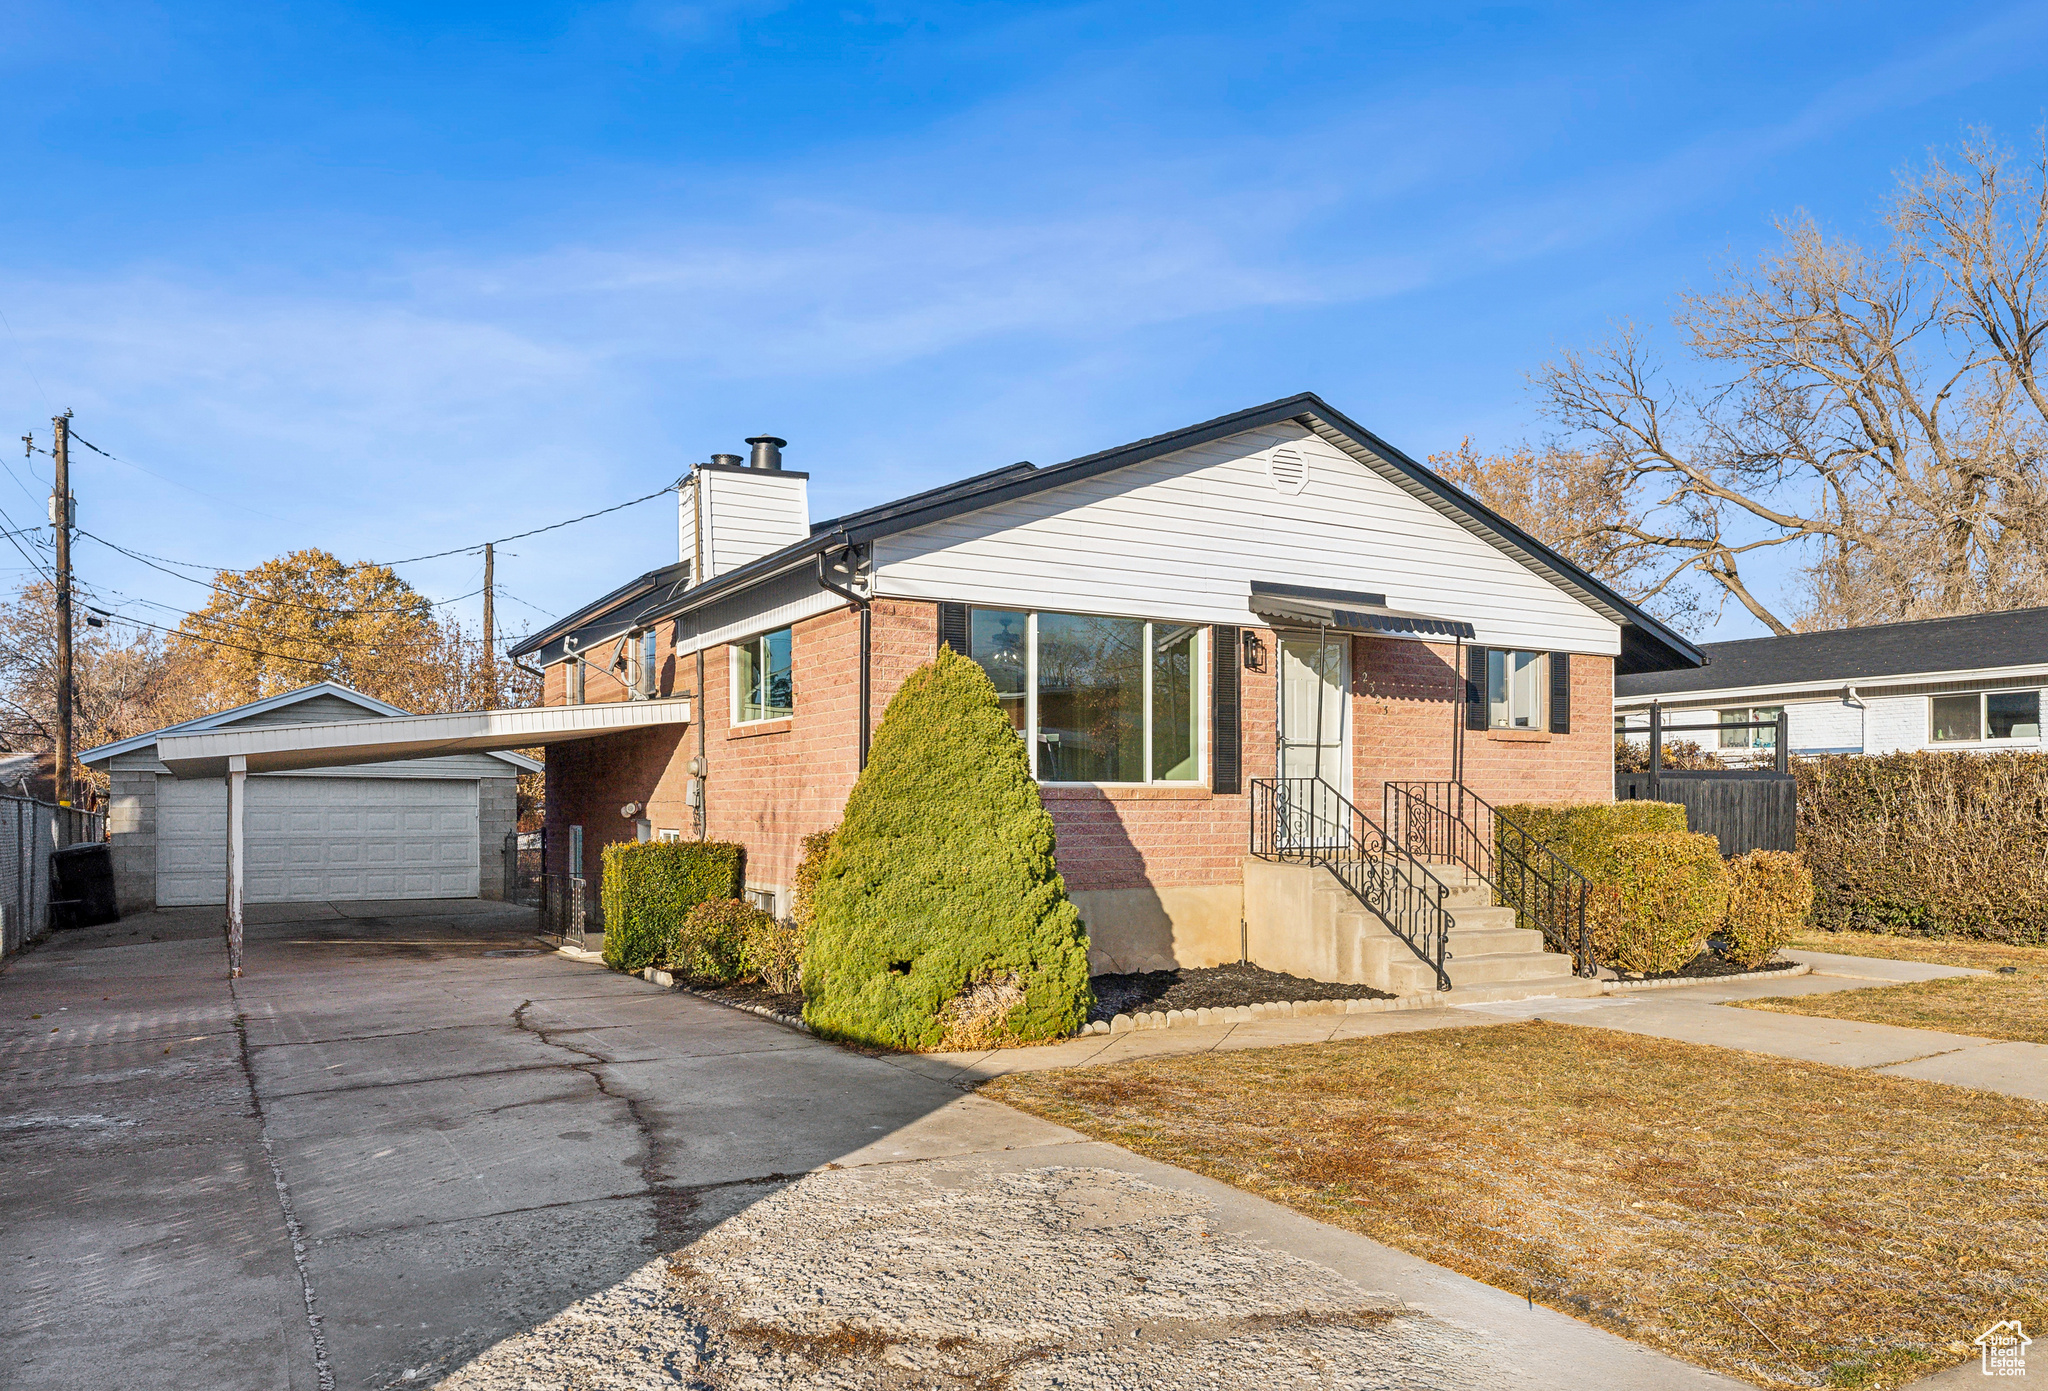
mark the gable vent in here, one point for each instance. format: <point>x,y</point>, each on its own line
<point>1288,469</point>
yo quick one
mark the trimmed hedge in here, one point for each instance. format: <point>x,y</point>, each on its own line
<point>1656,900</point>
<point>1585,833</point>
<point>1770,892</point>
<point>651,886</point>
<point>1936,843</point>
<point>941,879</point>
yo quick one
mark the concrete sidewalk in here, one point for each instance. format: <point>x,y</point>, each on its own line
<point>1692,1014</point>
<point>409,1149</point>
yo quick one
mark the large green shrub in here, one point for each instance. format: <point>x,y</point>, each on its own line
<point>941,882</point>
<point>1770,893</point>
<point>1940,843</point>
<point>651,886</point>
<point>1656,899</point>
<point>773,953</point>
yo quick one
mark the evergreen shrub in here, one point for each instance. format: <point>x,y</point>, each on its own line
<point>1656,900</point>
<point>803,891</point>
<point>711,946</point>
<point>941,883</point>
<point>1935,843</point>
<point>772,952</point>
<point>649,887</point>
<point>1770,892</point>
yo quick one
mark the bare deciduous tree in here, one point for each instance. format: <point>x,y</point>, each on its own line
<point>1881,413</point>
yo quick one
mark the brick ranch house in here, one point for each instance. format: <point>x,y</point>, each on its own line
<point>1172,625</point>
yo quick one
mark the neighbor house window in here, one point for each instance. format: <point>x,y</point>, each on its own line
<point>1985,715</point>
<point>1096,699</point>
<point>1750,738</point>
<point>761,674</point>
<point>1517,689</point>
<point>667,837</point>
<point>647,668</point>
<point>576,852</point>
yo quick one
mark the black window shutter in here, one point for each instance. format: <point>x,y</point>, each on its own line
<point>1560,693</point>
<point>1475,687</point>
<point>1226,756</point>
<point>953,627</point>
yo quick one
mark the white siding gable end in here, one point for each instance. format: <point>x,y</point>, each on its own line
<point>1183,537</point>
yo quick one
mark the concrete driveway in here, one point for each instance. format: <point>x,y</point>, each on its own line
<point>404,1151</point>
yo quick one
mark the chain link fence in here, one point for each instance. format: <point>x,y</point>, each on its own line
<point>30,832</point>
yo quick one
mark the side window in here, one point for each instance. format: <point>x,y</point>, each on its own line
<point>764,687</point>
<point>576,852</point>
<point>1517,689</point>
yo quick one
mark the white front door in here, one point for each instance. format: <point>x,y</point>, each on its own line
<point>311,839</point>
<point>1315,717</point>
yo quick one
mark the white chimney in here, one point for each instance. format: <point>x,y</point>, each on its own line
<point>742,512</point>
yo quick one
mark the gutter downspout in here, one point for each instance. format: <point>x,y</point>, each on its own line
<point>863,604</point>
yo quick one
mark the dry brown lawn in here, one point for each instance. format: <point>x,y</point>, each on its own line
<point>1785,1222</point>
<point>1941,951</point>
<point>2007,1007</point>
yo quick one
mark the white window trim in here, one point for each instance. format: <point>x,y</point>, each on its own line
<point>732,664</point>
<point>1984,739</point>
<point>1201,777</point>
<point>1541,724</point>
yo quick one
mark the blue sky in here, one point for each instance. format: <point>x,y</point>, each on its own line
<point>389,279</point>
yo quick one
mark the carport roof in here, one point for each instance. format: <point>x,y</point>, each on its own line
<point>286,747</point>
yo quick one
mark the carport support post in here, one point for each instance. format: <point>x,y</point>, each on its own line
<point>238,791</point>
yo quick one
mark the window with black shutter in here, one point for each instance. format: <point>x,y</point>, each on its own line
<point>1560,693</point>
<point>1476,660</point>
<point>1226,760</point>
<point>953,627</point>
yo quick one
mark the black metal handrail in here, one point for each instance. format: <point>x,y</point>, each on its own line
<point>1449,823</point>
<point>1307,821</point>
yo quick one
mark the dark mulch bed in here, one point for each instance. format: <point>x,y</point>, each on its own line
<point>1213,987</point>
<point>759,996</point>
<point>1707,965</point>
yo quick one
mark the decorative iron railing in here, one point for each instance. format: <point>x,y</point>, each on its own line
<point>1307,821</point>
<point>564,909</point>
<point>1449,823</point>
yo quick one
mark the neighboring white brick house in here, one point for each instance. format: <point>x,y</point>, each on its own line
<point>1973,682</point>
<point>422,828</point>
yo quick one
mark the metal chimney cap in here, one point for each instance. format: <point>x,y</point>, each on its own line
<point>767,451</point>
<point>727,460</point>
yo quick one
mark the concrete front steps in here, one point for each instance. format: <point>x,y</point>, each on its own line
<point>1302,920</point>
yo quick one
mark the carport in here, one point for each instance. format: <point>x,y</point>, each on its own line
<point>235,753</point>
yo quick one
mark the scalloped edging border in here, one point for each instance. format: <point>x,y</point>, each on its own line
<point>1618,987</point>
<point>668,982</point>
<point>1246,1014</point>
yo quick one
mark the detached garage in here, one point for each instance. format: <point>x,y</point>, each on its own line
<point>430,827</point>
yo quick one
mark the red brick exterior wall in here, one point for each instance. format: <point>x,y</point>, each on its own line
<point>771,784</point>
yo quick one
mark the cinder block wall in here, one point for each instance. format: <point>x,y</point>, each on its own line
<point>131,837</point>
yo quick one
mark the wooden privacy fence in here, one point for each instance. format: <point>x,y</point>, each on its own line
<point>1743,809</point>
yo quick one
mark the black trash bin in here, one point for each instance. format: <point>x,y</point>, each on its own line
<point>82,886</point>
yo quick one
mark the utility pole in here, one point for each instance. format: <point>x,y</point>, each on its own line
<point>60,518</point>
<point>490,622</point>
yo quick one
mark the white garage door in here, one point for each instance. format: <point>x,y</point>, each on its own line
<point>309,839</point>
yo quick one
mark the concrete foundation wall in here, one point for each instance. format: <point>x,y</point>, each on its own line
<point>1157,929</point>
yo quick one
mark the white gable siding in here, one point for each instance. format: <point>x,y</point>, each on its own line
<point>1183,536</point>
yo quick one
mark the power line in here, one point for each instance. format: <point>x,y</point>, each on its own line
<point>256,596</point>
<point>521,535</point>
<point>175,482</point>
